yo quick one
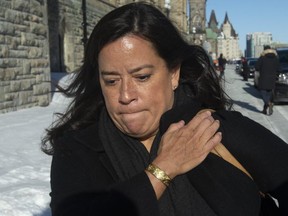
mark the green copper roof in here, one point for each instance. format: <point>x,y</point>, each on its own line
<point>210,34</point>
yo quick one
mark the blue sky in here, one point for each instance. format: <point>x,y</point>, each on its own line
<point>248,16</point>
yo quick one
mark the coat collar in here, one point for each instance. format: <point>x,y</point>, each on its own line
<point>89,137</point>
<point>185,111</point>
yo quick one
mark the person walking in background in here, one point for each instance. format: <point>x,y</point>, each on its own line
<point>245,69</point>
<point>267,66</point>
<point>221,64</point>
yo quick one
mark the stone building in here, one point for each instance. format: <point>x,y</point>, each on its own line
<point>68,22</point>
<point>255,43</point>
<point>228,41</point>
<point>223,39</point>
<point>212,33</point>
<point>40,37</point>
<point>24,56</point>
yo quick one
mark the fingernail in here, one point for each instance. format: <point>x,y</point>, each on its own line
<point>208,113</point>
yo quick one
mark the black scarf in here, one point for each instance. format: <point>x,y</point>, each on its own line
<point>130,157</point>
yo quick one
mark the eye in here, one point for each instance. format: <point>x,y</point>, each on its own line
<point>143,78</point>
<point>110,82</point>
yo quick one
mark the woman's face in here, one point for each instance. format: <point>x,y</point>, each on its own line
<point>136,85</point>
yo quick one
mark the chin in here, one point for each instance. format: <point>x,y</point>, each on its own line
<point>135,133</point>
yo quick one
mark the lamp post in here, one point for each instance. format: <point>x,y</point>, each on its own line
<point>84,23</point>
<point>194,34</point>
<point>201,39</point>
<point>167,7</point>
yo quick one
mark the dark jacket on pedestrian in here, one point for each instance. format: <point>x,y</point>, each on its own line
<point>84,170</point>
<point>222,63</point>
<point>267,65</point>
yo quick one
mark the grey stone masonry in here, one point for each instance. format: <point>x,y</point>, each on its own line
<point>66,35</point>
<point>24,57</point>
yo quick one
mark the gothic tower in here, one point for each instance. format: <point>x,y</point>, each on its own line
<point>227,27</point>
<point>212,32</point>
<point>213,23</point>
<point>228,40</point>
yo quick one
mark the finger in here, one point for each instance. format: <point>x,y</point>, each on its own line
<point>196,120</point>
<point>194,133</point>
<point>200,153</point>
<point>197,140</point>
<point>206,130</point>
<point>171,133</point>
<point>208,125</point>
<point>215,140</point>
<point>176,126</point>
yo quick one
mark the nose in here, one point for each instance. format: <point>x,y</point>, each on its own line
<point>127,92</point>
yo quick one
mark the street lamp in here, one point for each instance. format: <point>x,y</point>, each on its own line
<point>194,34</point>
<point>201,39</point>
<point>167,7</point>
<point>84,23</point>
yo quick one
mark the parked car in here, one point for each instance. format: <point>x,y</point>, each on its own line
<point>280,93</point>
<point>251,66</point>
<point>251,63</point>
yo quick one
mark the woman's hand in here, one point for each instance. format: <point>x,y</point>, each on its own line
<point>183,147</point>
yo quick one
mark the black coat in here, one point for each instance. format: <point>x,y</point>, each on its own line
<point>83,180</point>
<point>267,65</point>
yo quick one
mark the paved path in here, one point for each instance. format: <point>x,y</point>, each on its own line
<point>247,100</point>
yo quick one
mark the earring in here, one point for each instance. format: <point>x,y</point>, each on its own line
<point>174,87</point>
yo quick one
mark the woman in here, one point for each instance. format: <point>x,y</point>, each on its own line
<point>133,138</point>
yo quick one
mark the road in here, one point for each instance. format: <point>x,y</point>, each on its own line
<point>247,100</point>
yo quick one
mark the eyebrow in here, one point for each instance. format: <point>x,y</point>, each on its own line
<point>134,70</point>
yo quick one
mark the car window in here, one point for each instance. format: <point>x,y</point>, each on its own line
<point>252,63</point>
<point>283,56</point>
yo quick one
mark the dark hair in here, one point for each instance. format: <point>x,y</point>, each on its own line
<point>149,23</point>
<point>266,47</point>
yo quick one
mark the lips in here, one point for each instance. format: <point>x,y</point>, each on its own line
<point>131,116</point>
<point>127,112</point>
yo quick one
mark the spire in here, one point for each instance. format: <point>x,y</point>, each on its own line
<point>226,19</point>
<point>212,19</point>
<point>213,23</point>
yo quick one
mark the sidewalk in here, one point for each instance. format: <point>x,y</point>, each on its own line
<point>247,100</point>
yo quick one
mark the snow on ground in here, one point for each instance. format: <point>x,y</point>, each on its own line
<point>24,168</point>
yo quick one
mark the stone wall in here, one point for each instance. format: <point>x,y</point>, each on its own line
<point>24,58</point>
<point>65,19</point>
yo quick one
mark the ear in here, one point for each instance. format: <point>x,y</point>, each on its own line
<point>175,77</point>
